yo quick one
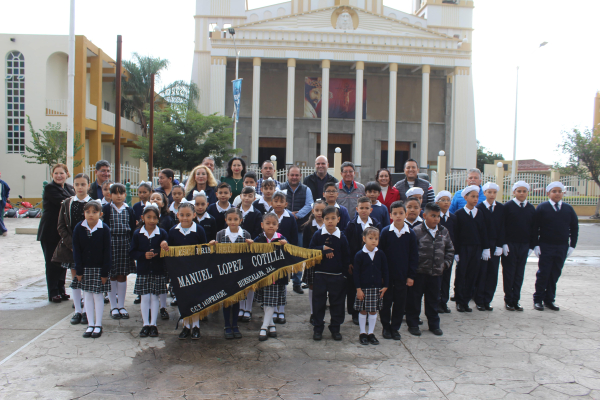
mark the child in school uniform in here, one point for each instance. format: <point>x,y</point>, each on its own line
<point>178,194</point>
<point>121,220</point>
<point>204,219</point>
<point>519,241</point>
<point>232,234</point>
<point>380,212</point>
<point>448,221</point>
<point>166,222</point>
<point>400,245</point>
<point>415,192</point>
<point>556,227</point>
<point>275,295</point>
<point>151,281</point>
<point>371,279</point>
<point>330,275</point>
<point>435,255</point>
<point>330,194</point>
<point>413,211</point>
<point>487,281</point>
<point>186,233</point>
<point>218,209</point>
<point>92,255</point>
<point>250,179</point>
<point>106,192</point>
<point>144,191</point>
<point>470,245</point>
<point>313,224</point>
<point>264,204</point>
<point>354,235</point>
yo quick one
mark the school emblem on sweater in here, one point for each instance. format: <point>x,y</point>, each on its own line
<point>206,277</point>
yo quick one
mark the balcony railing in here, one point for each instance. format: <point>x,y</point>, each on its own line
<point>56,107</point>
<point>90,111</point>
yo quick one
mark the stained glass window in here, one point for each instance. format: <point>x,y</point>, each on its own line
<point>15,102</point>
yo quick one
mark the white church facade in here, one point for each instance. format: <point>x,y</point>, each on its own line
<point>381,84</point>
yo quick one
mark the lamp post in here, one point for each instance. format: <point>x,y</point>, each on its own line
<point>237,65</point>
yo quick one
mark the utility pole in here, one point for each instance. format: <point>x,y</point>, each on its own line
<point>118,114</point>
<point>151,132</point>
<point>71,92</point>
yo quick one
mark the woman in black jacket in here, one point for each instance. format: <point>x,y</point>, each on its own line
<point>54,194</point>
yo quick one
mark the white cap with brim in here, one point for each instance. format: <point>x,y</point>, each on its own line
<point>469,189</point>
<point>490,185</point>
<point>443,193</point>
<point>521,184</point>
<point>553,185</point>
<point>413,191</point>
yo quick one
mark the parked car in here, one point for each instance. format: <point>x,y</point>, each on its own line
<point>571,191</point>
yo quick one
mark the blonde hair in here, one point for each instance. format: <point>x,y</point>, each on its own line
<point>191,183</point>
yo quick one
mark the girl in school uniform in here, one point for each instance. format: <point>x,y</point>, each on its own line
<point>144,190</point>
<point>204,219</point>
<point>178,197</point>
<point>121,220</point>
<point>91,252</point>
<point>232,234</point>
<point>166,222</point>
<point>274,295</point>
<point>314,223</point>
<point>186,233</point>
<point>151,281</point>
<point>106,192</point>
<point>265,204</point>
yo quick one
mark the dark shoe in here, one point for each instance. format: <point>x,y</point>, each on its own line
<point>64,296</point>
<point>396,335</point>
<point>84,318</point>
<point>76,319</point>
<point>115,316</point>
<point>124,313</point>
<point>96,335</point>
<point>336,336</point>
<point>552,306</point>
<point>145,331</point>
<point>246,318</point>
<point>272,332</point>
<point>517,307</point>
<point>174,303</point>
<point>137,300</point>
<point>195,333</point>
<point>305,286</point>
<point>538,306</point>
<point>452,298</point>
<point>509,307</point>
<point>445,309</point>
<point>164,314</point>
<point>480,307</point>
<point>317,336</point>
<point>312,320</point>
<point>281,319</point>
<point>228,333</point>
<point>153,331</point>
<point>420,321</point>
<point>355,319</point>
<point>437,332</point>
<point>414,330</point>
<point>56,299</point>
<point>363,339</point>
<point>236,332</point>
<point>87,333</point>
<point>467,308</point>
<point>298,289</point>
<point>488,307</point>
<point>373,339</point>
<point>185,333</point>
<point>106,299</point>
<point>262,337</point>
<point>386,334</point>
<point>460,307</point>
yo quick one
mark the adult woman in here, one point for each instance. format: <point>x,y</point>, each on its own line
<point>165,180</point>
<point>236,169</point>
<point>54,194</point>
<point>201,178</point>
<point>389,194</point>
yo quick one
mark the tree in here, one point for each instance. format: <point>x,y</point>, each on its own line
<point>183,138</point>
<point>485,156</point>
<point>582,148</point>
<point>49,146</point>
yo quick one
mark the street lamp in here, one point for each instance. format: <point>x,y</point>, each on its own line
<point>237,65</point>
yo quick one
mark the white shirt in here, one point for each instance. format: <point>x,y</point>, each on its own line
<point>285,214</point>
<point>432,231</point>
<point>336,233</point>
<point>384,191</point>
<point>172,208</point>
<point>87,198</point>
<point>370,253</point>
<point>314,223</point>
<point>205,215</point>
<point>233,235</point>
<point>473,211</point>
<point>553,203</point>
<point>103,202</point>
<point>400,232</point>
<point>244,213</point>
<point>365,224</point>
<point>238,199</point>
<point>219,209</point>
<point>519,203</point>
<point>120,209</point>
<point>377,204</point>
<point>155,232</point>
<point>445,216</point>
<point>415,221</point>
<point>92,230</point>
<point>186,231</point>
<point>488,205</point>
<point>264,202</point>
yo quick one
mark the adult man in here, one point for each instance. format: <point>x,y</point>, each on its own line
<point>474,177</point>
<point>102,175</point>
<point>4,191</point>
<point>317,181</point>
<point>299,200</point>
<point>349,191</point>
<point>267,170</point>
<point>411,169</point>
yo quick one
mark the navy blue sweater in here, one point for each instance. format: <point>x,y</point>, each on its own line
<point>138,208</point>
<point>140,244</point>
<point>263,239</point>
<point>211,196</point>
<point>354,232</point>
<point>251,223</point>
<point>470,231</point>
<point>370,273</point>
<point>260,207</point>
<point>344,217</point>
<point>92,251</point>
<point>402,253</point>
<point>176,238</point>
<point>107,210</point>
<point>307,235</point>
<point>166,221</point>
<point>518,224</point>
<point>556,227</point>
<point>218,216</point>
<point>449,224</point>
<point>380,213</point>
<point>338,265</point>
<point>289,229</point>
<point>209,225</point>
<point>495,224</point>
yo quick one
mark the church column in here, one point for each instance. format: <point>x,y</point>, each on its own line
<point>392,117</point>
<point>255,110</point>
<point>289,142</point>
<point>358,117</point>
<point>325,65</point>
<point>218,71</point>
<point>425,118</point>
<point>464,141</point>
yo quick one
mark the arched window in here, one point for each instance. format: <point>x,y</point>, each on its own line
<point>15,102</point>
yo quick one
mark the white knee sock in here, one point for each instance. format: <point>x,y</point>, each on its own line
<point>145,304</point>
<point>186,322</point>
<point>99,307</point>
<point>362,322</point>
<point>154,308</point>
<point>195,321</point>
<point>76,293</point>
<point>249,300</point>
<point>121,291</point>
<point>242,308</point>
<point>89,303</point>
<point>112,295</point>
<point>281,309</point>
<point>163,300</point>
<point>372,322</point>
<point>268,319</point>
<point>310,293</point>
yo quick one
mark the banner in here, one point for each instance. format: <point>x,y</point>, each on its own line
<point>205,277</point>
<point>342,97</point>
<point>237,94</point>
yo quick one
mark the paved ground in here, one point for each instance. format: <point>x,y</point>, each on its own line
<point>482,355</point>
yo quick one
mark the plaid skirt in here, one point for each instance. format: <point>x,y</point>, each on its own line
<point>272,295</point>
<point>75,284</point>
<point>122,264</point>
<point>308,276</point>
<point>92,282</point>
<point>372,301</point>
<point>150,284</point>
<point>68,265</point>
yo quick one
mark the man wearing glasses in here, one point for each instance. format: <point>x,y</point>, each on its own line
<point>349,191</point>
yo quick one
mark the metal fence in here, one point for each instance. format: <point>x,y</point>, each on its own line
<point>455,181</point>
<point>580,192</point>
<point>281,174</point>
<point>129,173</point>
<point>537,183</point>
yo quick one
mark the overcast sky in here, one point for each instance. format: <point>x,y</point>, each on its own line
<point>557,82</point>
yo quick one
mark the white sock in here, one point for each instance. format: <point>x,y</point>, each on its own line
<point>112,295</point>
<point>242,308</point>
<point>89,302</point>
<point>145,304</point>
<point>281,310</point>
<point>310,292</point>
<point>186,322</point>
<point>249,300</point>
<point>195,321</point>
<point>163,300</point>
<point>154,308</point>
<point>372,322</point>
<point>76,293</point>
<point>121,291</point>
<point>268,319</point>
<point>99,307</point>
<point>362,322</point>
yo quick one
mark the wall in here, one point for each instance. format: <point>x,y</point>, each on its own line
<point>57,76</point>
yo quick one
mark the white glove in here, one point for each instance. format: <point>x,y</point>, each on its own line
<point>570,251</point>
<point>537,251</point>
<point>498,251</point>
<point>456,258</point>
<point>485,255</point>
<point>529,252</point>
<point>505,250</point>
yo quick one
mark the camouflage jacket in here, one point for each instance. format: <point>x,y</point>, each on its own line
<point>435,254</point>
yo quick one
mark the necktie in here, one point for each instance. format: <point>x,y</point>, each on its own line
<point>471,214</point>
<point>492,208</point>
<point>522,205</point>
<point>445,218</point>
<point>556,206</point>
